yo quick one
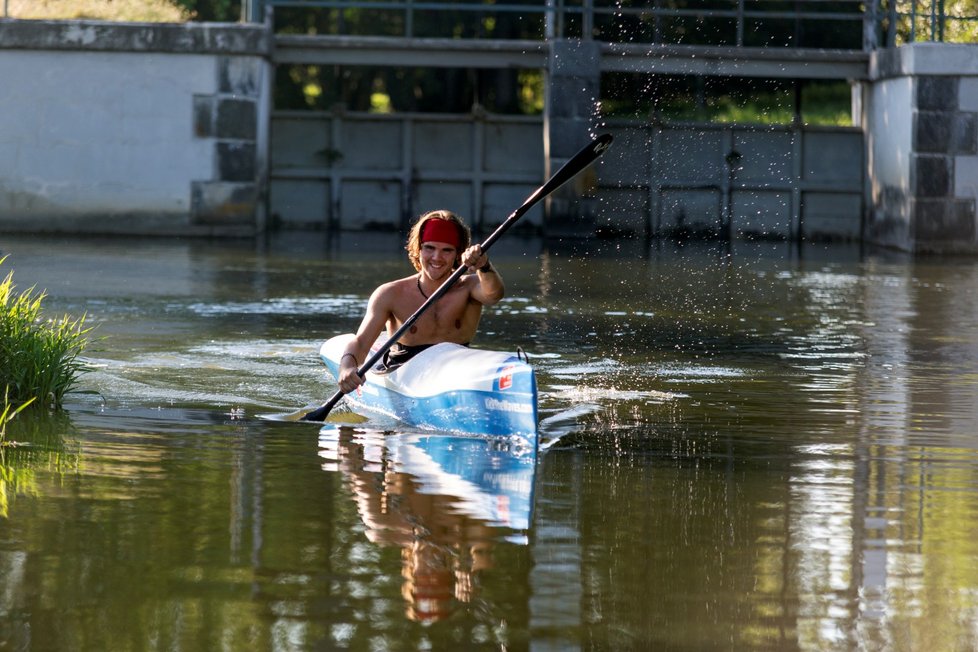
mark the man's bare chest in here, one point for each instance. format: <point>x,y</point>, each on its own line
<point>447,316</point>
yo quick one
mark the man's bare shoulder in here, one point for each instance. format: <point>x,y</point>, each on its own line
<point>394,288</point>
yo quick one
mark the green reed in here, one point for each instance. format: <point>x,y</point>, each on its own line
<point>39,358</point>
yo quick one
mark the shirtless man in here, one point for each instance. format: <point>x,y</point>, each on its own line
<point>438,243</point>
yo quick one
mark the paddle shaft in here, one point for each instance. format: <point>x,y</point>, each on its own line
<point>567,171</point>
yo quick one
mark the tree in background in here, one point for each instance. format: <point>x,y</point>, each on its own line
<point>383,89</point>
<point>507,91</point>
<point>221,11</point>
<point>155,11</point>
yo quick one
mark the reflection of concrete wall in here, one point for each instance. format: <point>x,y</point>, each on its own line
<point>920,118</point>
<point>142,129</point>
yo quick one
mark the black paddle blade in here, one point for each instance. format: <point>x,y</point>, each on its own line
<point>588,154</point>
<point>320,413</point>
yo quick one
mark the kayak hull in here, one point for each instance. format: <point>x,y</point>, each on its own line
<point>449,388</point>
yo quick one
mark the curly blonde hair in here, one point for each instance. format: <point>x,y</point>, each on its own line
<point>413,245</point>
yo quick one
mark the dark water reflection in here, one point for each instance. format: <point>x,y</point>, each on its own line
<point>768,448</point>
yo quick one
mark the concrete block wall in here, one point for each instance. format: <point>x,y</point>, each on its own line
<point>944,139</point>
<point>921,120</point>
<point>133,128</point>
<point>233,119</point>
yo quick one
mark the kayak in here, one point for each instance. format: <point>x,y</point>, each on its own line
<point>449,388</point>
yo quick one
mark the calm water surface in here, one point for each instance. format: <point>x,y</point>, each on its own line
<point>765,448</point>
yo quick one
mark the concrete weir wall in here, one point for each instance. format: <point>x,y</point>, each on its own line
<point>920,116</point>
<point>165,129</point>
<point>133,128</point>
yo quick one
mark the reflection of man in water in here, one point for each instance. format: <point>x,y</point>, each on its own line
<point>442,551</point>
<point>428,581</point>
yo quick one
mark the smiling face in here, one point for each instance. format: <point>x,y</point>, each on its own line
<point>438,259</point>
<point>454,235</point>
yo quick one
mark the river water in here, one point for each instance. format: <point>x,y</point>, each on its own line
<point>758,447</point>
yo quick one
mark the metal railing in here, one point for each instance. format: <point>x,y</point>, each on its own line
<point>833,24</point>
<point>909,21</point>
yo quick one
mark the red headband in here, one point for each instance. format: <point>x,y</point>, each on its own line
<point>437,230</point>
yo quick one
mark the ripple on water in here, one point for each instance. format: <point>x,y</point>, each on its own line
<point>263,373</point>
<point>345,305</point>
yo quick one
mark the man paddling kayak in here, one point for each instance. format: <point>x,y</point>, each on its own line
<point>479,289</point>
<point>438,243</point>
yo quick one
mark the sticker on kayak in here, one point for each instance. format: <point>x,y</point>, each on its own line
<point>506,405</point>
<point>505,378</point>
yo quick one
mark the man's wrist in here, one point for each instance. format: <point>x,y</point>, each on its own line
<point>485,269</point>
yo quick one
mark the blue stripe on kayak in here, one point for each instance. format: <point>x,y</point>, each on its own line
<point>512,411</point>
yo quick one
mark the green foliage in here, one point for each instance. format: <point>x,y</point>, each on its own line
<point>39,359</point>
<point>773,23</point>
<point>387,89</point>
<point>225,11</point>
<point>151,11</point>
<point>951,21</point>
<point>817,24</point>
<point>399,89</point>
<point>715,99</point>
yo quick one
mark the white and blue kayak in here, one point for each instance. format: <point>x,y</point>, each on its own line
<point>449,388</point>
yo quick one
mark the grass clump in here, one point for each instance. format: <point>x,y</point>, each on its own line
<point>150,11</point>
<point>39,358</point>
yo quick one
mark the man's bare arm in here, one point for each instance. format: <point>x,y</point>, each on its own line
<point>357,350</point>
<point>488,288</point>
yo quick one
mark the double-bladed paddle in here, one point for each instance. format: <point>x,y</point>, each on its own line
<point>570,169</point>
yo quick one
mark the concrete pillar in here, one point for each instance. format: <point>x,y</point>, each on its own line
<point>921,119</point>
<point>233,119</point>
<point>570,113</point>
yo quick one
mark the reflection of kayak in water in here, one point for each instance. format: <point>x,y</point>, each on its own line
<point>487,479</point>
<point>492,481</point>
<point>450,388</point>
<point>447,501</point>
